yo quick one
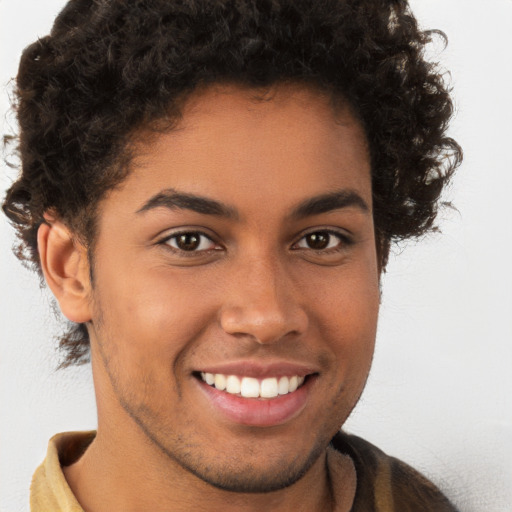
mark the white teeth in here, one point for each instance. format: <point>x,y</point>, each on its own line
<point>220,381</point>
<point>233,385</point>
<point>283,386</point>
<point>268,388</point>
<point>250,387</point>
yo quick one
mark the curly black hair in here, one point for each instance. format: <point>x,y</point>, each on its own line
<point>111,67</point>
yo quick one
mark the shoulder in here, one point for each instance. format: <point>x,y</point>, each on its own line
<point>387,484</point>
<point>49,489</point>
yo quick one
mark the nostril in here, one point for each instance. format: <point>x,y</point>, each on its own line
<point>264,325</point>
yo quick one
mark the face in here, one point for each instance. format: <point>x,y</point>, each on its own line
<point>235,293</point>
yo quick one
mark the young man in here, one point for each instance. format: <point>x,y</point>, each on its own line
<point>210,190</point>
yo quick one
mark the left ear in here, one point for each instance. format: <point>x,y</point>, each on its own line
<point>65,267</point>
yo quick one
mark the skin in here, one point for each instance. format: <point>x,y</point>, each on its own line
<point>255,290</point>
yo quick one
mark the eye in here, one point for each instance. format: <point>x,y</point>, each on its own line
<point>320,241</point>
<point>191,241</point>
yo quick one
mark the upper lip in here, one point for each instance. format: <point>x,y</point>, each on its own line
<point>259,369</point>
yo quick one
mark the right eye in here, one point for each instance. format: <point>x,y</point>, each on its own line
<point>190,241</point>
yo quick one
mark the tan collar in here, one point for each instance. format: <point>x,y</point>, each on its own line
<point>50,490</point>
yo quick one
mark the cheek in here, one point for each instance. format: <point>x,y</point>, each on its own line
<point>152,316</point>
<point>346,312</point>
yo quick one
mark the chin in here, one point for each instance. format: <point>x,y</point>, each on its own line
<point>239,477</point>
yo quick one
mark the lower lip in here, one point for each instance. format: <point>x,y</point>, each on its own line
<point>259,412</point>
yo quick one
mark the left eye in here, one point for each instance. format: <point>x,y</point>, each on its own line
<point>319,241</point>
<point>191,242</point>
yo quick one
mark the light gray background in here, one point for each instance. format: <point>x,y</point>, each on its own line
<point>439,395</point>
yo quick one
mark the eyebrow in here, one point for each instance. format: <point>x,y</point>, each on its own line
<point>172,199</point>
<point>329,202</point>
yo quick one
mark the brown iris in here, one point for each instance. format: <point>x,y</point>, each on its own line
<point>188,241</point>
<point>319,240</point>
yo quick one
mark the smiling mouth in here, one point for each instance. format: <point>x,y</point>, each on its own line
<point>250,387</point>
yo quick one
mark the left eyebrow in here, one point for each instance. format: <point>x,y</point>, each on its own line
<point>329,202</point>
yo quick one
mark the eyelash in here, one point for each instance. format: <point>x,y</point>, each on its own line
<point>167,242</point>
<point>343,241</point>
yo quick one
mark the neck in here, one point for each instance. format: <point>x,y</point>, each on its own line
<point>113,477</point>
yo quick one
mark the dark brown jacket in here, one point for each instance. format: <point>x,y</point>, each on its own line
<point>386,484</point>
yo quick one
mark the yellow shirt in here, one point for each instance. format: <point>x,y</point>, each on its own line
<point>362,477</point>
<point>49,491</point>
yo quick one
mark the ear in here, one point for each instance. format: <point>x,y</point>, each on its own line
<point>66,269</point>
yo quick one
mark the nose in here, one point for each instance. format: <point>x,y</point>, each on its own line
<point>262,303</point>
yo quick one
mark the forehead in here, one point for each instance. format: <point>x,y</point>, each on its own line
<point>236,144</point>
<point>287,99</point>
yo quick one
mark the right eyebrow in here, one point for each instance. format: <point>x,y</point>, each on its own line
<point>172,199</point>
